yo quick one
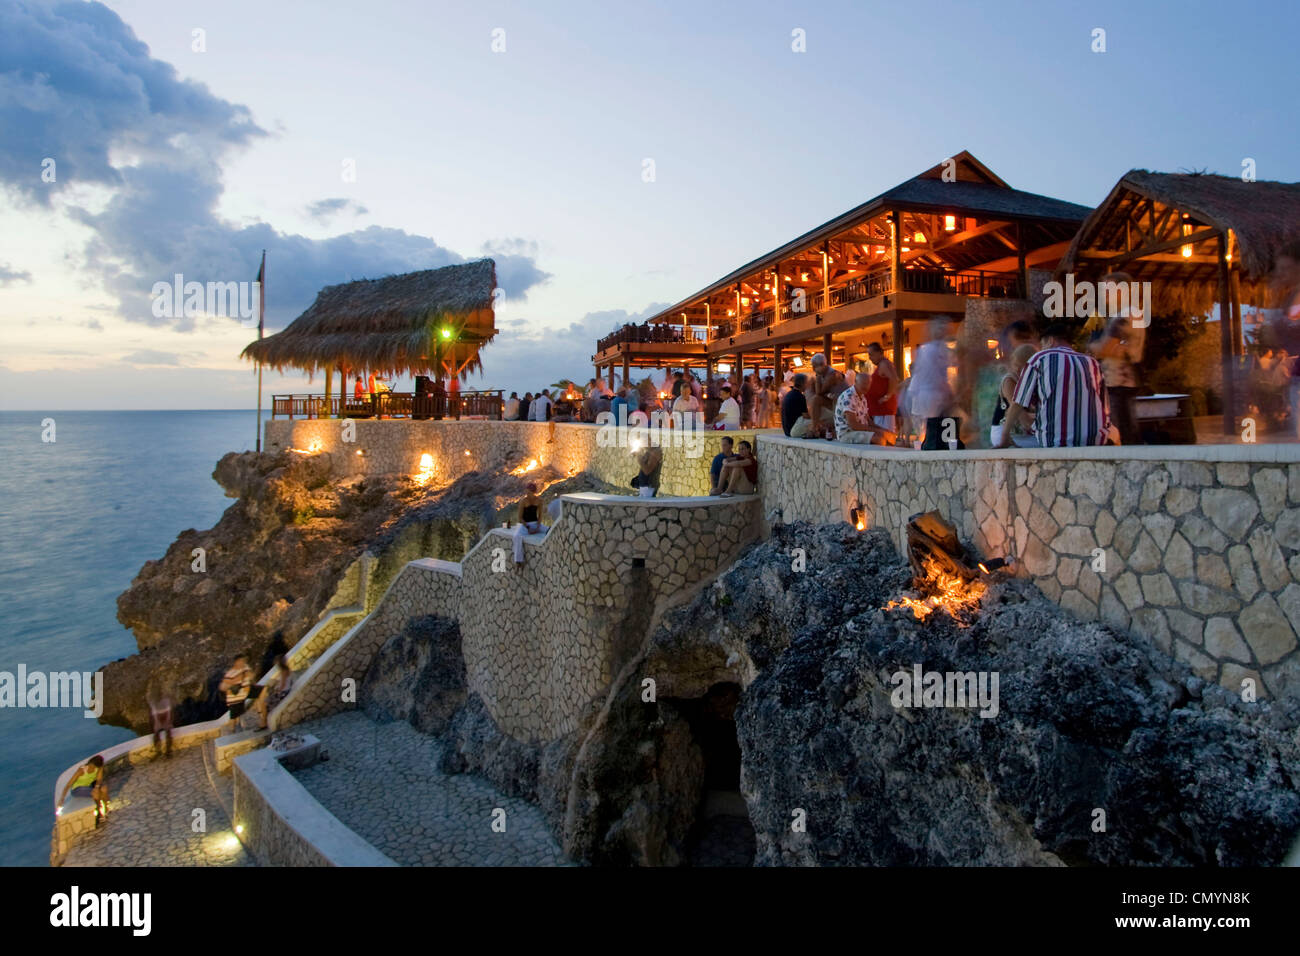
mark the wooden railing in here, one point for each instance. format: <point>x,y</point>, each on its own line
<point>971,282</point>
<point>476,404</point>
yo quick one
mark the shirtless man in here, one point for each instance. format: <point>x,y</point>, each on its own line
<point>827,383</point>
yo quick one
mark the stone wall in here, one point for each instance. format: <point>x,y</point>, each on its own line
<point>1195,547</point>
<point>282,824</point>
<point>542,641</point>
<point>395,446</point>
<point>425,586</point>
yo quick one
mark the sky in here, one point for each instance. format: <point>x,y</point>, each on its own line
<point>612,157</point>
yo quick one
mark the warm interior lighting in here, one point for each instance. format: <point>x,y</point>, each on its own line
<point>797,362</point>
<point>992,344</point>
<point>446,333</point>
<point>803,277</point>
<point>731,312</point>
<point>949,223</point>
<point>744,300</point>
<point>919,238</point>
<point>788,279</point>
<point>907,248</point>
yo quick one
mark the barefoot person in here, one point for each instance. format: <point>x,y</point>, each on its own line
<point>88,782</point>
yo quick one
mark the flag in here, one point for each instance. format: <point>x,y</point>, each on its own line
<point>261,295</point>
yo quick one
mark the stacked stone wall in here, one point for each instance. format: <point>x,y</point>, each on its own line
<point>1194,547</point>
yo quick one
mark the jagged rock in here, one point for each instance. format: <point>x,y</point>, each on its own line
<point>417,676</point>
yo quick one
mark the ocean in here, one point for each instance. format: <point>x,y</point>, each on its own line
<point>79,516</point>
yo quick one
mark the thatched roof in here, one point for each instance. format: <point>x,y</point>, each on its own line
<point>390,325</point>
<point>1264,217</point>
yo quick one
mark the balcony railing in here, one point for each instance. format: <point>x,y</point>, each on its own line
<point>468,404</point>
<point>973,283</point>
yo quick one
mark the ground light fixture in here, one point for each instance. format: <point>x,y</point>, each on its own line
<point>858,517</point>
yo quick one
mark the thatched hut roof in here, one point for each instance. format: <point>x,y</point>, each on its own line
<point>1264,217</point>
<point>390,325</point>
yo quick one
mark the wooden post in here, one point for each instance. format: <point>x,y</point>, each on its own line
<point>329,382</point>
<point>826,276</point>
<point>898,342</point>
<point>777,371</point>
<point>738,373</point>
<point>627,368</point>
<point>1238,332</point>
<point>776,294</point>
<point>1225,341</point>
<point>1021,266</point>
<point>895,254</point>
<point>611,373</point>
<point>708,324</point>
<point>826,347</point>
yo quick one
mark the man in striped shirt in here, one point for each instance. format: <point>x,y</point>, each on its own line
<point>1068,389</point>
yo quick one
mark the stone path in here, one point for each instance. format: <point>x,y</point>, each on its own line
<point>383,782</point>
<point>150,817</point>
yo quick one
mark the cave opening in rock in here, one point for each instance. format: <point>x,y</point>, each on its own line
<point>722,834</point>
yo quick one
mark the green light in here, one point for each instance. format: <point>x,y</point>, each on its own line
<point>446,333</point>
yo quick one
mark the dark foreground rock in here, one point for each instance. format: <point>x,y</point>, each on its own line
<point>1102,751</point>
<point>417,676</point>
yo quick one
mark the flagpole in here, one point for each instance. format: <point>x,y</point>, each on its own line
<point>261,323</point>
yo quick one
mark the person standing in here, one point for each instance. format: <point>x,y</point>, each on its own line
<point>882,392</point>
<point>160,721</point>
<point>236,684</point>
<point>1121,348</point>
<point>1068,389</point>
<point>930,389</point>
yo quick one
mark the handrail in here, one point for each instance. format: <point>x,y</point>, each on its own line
<point>485,404</point>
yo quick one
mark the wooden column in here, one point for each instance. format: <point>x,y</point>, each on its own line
<point>826,347</point>
<point>329,383</point>
<point>895,253</point>
<point>611,372</point>
<point>898,342</point>
<point>1021,266</point>
<point>738,373</point>
<point>776,294</point>
<point>627,368</point>
<point>777,371</point>
<point>708,324</point>
<point>826,276</point>
<point>1225,341</point>
<point>1238,332</point>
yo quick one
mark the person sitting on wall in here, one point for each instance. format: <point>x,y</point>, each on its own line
<point>88,782</point>
<point>511,410</point>
<point>650,463</point>
<point>740,475</point>
<point>530,519</point>
<point>728,417</point>
<point>283,683</point>
<point>853,423</point>
<point>795,420</point>
<point>827,384</point>
<point>715,469</point>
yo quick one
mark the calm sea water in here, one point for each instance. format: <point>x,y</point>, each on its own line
<point>78,518</point>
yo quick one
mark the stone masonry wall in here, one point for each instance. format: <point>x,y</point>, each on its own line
<point>543,640</point>
<point>395,446</point>
<point>1197,547</point>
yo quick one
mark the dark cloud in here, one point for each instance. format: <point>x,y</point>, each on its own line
<point>9,275</point>
<point>76,85</point>
<point>151,357</point>
<point>324,209</point>
<point>93,325</point>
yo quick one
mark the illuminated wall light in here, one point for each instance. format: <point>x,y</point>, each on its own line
<point>803,277</point>
<point>949,223</point>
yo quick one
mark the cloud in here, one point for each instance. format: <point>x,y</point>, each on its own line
<point>77,86</point>
<point>94,325</point>
<point>323,209</point>
<point>151,357</point>
<point>9,275</point>
<point>529,357</point>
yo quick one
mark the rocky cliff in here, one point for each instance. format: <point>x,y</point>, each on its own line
<point>1100,750</point>
<point>275,560</point>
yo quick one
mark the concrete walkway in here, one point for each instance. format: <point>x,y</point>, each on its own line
<point>151,817</point>
<point>383,782</point>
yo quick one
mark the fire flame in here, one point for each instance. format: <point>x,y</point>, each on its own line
<point>423,476</point>
<point>525,469</point>
<point>948,591</point>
